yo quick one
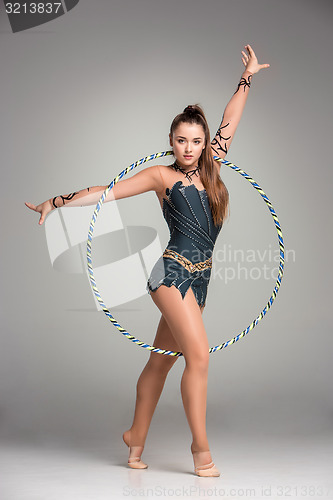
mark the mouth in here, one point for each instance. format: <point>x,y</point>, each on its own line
<point>188,157</point>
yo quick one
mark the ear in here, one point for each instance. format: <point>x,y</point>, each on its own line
<point>170,139</point>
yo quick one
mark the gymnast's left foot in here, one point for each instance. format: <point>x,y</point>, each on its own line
<point>134,459</point>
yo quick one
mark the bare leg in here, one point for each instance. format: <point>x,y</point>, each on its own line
<point>185,321</point>
<point>149,387</point>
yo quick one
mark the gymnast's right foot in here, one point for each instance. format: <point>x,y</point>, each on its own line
<point>203,464</point>
<point>134,459</point>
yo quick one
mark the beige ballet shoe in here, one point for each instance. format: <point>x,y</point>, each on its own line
<point>206,470</point>
<point>134,462</point>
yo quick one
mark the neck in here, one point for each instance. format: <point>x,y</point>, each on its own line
<point>184,169</point>
<point>189,172</point>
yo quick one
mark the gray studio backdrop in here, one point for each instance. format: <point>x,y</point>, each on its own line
<point>87,94</point>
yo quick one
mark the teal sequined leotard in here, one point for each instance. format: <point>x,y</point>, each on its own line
<point>187,259</point>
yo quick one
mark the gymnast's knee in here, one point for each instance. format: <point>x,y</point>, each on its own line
<point>197,359</point>
<point>161,363</point>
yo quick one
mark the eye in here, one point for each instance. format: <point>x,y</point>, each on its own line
<point>180,140</point>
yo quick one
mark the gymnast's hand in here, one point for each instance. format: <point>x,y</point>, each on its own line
<point>43,209</point>
<point>250,61</point>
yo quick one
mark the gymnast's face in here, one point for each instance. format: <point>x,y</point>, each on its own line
<point>188,142</point>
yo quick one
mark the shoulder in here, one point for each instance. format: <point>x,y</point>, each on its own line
<point>163,171</point>
<point>160,173</point>
<point>155,172</point>
<point>152,172</point>
<point>163,168</point>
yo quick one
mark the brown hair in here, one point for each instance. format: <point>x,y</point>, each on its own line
<point>217,192</point>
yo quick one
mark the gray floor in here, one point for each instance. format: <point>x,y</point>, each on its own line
<point>256,466</point>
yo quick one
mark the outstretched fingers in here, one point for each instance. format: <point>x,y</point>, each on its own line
<point>244,58</point>
<point>30,205</point>
<point>250,50</point>
<point>250,60</point>
<point>42,209</point>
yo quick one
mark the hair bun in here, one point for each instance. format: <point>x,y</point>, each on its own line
<point>189,109</point>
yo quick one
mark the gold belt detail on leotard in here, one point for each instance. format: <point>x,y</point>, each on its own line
<point>199,266</point>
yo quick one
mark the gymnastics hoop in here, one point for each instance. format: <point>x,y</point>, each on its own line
<point>91,272</point>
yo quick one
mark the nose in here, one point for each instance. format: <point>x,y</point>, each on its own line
<point>188,148</point>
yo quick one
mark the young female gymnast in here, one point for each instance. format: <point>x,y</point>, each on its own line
<point>195,212</point>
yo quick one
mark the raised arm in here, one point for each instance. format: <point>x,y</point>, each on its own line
<point>148,179</point>
<point>234,109</point>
